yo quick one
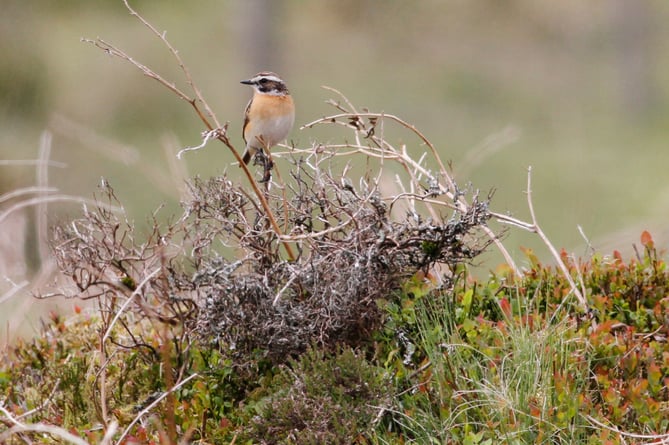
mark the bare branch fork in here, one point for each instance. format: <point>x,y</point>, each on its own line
<point>537,229</point>
<point>381,149</point>
<point>377,147</point>
<point>214,130</point>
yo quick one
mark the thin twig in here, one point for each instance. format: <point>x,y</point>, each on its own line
<point>26,191</point>
<point>537,229</point>
<point>56,387</point>
<point>153,404</point>
<point>659,439</point>
<point>109,433</point>
<point>116,52</point>
<point>15,162</point>
<point>413,168</point>
<point>283,289</point>
<point>51,198</point>
<point>182,65</point>
<point>42,175</point>
<point>403,123</point>
<point>221,130</point>
<point>208,135</point>
<point>13,291</point>
<point>120,310</point>
<point>344,98</point>
<point>37,428</point>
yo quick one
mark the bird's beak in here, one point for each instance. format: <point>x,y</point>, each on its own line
<point>247,82</point>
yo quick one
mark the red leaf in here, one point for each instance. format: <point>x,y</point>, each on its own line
<point>647,239</point>
<point>505,306</point>
<point>617,255</point>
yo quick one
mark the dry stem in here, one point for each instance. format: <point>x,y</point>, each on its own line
<point>364,124</point>
<point>220,131</point>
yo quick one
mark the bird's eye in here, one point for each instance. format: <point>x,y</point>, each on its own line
<point>263,80</point>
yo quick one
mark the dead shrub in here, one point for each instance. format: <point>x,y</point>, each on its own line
<point>351,253</point>
<point>220,270</point>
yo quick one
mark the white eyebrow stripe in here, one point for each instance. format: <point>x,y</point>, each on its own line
<point>272,78</point>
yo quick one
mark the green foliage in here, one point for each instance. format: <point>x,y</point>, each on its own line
<point>322,398</point>
<point>60,373</point>
<point>516,361</point>
<point>502,361</point>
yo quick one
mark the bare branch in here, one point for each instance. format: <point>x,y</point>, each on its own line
<point>182,65</point>
<point>26,191</point>
<point>556,256</point>
<point>43,199</point>
<point>116,52</point>
<point>148,409</point>
<point>220,130</point>
<point>12,162</point>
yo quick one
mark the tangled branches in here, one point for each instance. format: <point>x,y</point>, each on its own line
<point>303,261</point>
<point>225,258</point>
<point>232,254</point>
<point>352,253</point>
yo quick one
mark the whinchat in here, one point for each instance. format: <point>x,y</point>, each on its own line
<point>270,114</point>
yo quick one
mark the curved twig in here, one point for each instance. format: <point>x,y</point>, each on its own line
<point>221,130</point>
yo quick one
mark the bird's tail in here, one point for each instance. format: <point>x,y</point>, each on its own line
<point>247,156</point>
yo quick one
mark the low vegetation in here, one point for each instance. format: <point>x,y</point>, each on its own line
<point>505,360</point>
<point>331,305</point>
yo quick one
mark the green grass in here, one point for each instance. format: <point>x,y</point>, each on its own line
<point>522,370</point>
<point>497,381</point>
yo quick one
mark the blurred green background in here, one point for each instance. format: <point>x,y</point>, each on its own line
<point>577,90</point>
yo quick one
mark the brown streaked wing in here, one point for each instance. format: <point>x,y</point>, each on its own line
<point>246,120</point>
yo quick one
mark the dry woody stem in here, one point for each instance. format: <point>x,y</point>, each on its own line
<point>301,262</point>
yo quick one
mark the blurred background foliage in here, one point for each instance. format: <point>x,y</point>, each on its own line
<point>578,90</point>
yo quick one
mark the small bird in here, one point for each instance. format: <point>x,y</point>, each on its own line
<point>270,114</point>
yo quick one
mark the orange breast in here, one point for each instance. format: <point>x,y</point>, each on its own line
<point>265,106</point>
<point>271,119</point>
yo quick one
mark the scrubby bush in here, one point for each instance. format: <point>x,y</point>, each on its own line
<point>334,306</point>
<point>220,295</point>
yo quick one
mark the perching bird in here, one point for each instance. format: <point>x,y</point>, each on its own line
<point>270,114</point>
